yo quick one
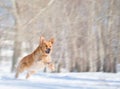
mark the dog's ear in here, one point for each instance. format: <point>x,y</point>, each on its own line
<point>42,39</point>
<point>52,40</point>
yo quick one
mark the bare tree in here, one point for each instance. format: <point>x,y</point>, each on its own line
<point>86,32</point>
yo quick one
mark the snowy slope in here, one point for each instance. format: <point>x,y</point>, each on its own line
<point>61,81</point>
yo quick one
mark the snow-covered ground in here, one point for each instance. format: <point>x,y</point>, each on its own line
<point>90,80</point>
<point>61,81</point>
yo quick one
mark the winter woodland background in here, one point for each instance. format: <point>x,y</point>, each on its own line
<point>86,32</point>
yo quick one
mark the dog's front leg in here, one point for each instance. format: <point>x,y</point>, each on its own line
<point>51,66</point>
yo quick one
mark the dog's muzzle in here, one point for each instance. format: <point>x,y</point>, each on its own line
<point>48,51</point>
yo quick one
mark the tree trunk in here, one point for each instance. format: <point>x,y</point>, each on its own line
<point>17,50</point>
<point>17,43</point>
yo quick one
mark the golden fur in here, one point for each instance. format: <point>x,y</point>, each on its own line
<point>37,59</point>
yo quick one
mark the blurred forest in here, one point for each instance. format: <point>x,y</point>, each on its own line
<point>86,32</point>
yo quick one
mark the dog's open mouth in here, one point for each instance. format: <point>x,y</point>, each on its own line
<point>48,51</point>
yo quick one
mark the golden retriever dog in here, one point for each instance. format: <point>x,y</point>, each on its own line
<point>40,57</point>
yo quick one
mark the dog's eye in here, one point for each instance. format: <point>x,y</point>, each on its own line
<point>46,46</point>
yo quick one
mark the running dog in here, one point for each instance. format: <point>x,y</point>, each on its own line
<point>39,58</point>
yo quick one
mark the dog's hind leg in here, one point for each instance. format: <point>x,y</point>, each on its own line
<point>30,73</point>
<point>18,71</point>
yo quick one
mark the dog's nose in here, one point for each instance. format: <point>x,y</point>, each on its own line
<point>48,50</point>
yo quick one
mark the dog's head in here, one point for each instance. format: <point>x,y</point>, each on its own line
<point>46,46</point>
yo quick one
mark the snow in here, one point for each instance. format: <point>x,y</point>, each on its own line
<point>61,81</point>
<point>82,80</point>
